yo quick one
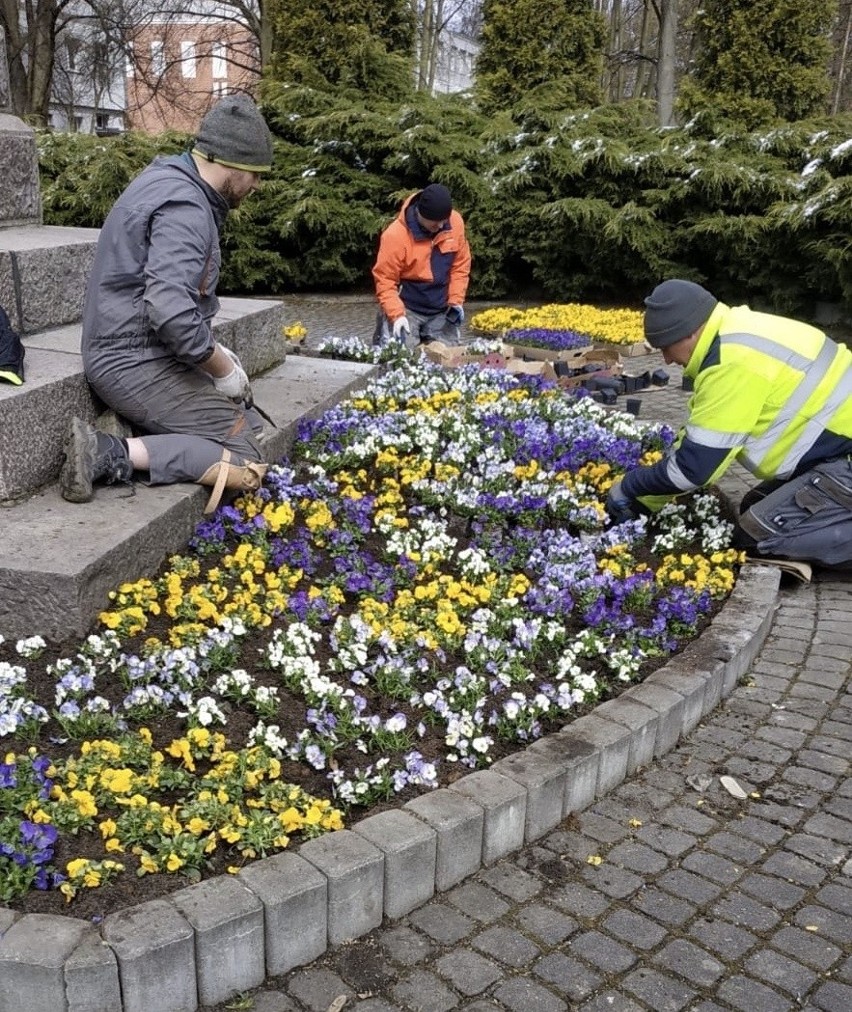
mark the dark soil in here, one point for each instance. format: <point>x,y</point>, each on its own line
<point>127,889</point>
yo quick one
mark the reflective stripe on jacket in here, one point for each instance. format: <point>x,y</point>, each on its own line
<point>771,392</point>
<point>420,271</point>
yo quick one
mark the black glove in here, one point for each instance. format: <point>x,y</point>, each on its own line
<point>619,507</point>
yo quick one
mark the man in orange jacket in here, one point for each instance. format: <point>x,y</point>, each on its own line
<point>422,271</point>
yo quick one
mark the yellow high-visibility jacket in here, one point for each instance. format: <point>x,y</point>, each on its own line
<point>770,392</point>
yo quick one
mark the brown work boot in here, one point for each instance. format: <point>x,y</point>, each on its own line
<point>91,456</point>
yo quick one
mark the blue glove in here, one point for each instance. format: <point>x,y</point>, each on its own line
<point>455,315</point>
<point>619,507</point>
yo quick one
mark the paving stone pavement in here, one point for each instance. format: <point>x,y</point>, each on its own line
<point>700,901</point>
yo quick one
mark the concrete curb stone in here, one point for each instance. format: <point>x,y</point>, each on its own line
<point>354,869</point>
<point>410,849</point>
<point>686,682</point>
<point>611,741</point>
<point>337,887</point>
<point>155,948</point>
<point>227,919</point>
<point>34,952</point>
<point>295,904</point>
<point>505,806</point>
<point>669,706</point>
<point>91,976</point>
<point>581,762</point>
<point>643,723</point>
<point>458,823</point>
<point>7,919</point>
<point>544,783</point>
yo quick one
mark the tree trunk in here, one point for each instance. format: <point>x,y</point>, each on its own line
<point>840,62</point>
<point>615,86</point>
<point>41,55</point>
<point>30,52</point>
<point>666,62</point>
<point>437,28</point>
<point>14,57</point>
<point>424,47</point>
<point>265,33</point>
<point>640,89</point>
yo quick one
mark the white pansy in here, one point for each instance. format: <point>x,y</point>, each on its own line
<point>30,647</point>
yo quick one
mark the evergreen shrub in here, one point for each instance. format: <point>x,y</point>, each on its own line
<point>596,204</point>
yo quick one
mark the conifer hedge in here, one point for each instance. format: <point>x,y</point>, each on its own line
<point>594,205</point>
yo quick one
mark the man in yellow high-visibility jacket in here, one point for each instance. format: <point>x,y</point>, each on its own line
<point>770,392</point>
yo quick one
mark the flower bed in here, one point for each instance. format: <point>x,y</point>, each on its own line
<point>588,323</point>
<point>429,583</point>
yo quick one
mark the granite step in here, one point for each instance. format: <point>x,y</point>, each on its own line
<point>43,274</point>
<point>58,560</point>
<point>34,417</point>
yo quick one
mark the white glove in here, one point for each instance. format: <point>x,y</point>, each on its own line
<point>401,329</point>
<point>232,355</point>
<point>236,384</point>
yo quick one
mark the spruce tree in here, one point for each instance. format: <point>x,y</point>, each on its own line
<point>759,60</point>
<point>363,45</point>
<point>546,51</point>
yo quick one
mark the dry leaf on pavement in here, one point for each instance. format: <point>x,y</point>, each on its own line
<point>733,788</point>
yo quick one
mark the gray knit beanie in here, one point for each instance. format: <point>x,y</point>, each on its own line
<point>675,310</point>
<point>235,134</point>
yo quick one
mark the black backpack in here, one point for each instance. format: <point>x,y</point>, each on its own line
<point>11,352</point>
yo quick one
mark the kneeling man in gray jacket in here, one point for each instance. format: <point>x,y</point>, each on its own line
<point>148,348</point>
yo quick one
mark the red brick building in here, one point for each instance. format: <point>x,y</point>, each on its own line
<point>177,69</point>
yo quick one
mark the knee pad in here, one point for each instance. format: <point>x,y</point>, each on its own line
<point>225,475</point>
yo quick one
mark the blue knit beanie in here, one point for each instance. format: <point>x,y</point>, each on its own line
<point>435,202</point>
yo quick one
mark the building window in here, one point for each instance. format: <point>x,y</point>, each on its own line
<point>220,89</point>
<point>158,58</point>
<point>72,48</point>
<point>129,61</point>
<point>220,60</point>
<point>76,124</point>
<point>101,121</point>
<point>187,59</point>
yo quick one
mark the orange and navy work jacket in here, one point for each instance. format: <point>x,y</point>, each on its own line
<point>416,271</point>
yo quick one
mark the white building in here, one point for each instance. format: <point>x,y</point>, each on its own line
<point>88,94</point>
<point>456,58</point>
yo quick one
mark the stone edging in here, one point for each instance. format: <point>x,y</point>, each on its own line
<point>210,941</point>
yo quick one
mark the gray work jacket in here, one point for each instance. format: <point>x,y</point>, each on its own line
<point>153,283</point>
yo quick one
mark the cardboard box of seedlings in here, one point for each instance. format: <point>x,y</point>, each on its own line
<point>533,354</point>
<point>607,362</point>
<point>455,356</point>
<point>635,348</point>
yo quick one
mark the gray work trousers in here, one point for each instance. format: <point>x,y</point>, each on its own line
<point>423,329</point>
<point>185,421</point>
<point>808,518</point>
